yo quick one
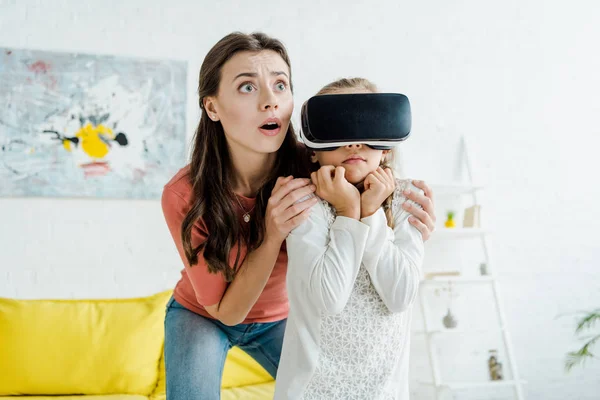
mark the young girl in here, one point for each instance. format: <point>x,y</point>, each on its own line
<point>353,273</point>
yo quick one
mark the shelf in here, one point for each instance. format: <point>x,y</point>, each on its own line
<point>459,233</point>
<point>473,385</point>
<point>457,279</point>
<point>458,193</point>
<point>454,189</point>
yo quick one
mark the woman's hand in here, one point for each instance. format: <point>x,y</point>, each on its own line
<point>284,212</point>
<point>333,187</point>
<point>379,185</point>
<point>423,219</point>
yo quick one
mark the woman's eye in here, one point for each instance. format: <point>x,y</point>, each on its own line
<point>281,86</point>
<point>247,88</point>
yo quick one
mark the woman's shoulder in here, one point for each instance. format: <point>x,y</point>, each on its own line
<point>178,191</point>
<point>180,183</point>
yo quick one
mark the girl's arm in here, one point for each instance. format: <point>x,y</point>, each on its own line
<point>323,262</point>
<point>393,258</point>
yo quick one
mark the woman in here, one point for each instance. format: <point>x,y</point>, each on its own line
<point>229,212</point>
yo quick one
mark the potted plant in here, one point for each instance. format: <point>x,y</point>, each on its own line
<point>584,324</point>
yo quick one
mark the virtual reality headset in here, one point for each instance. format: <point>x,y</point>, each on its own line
<point>379,120</point>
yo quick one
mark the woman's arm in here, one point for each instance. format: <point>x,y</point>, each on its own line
<point>393,258</point>
<point>230,303</point>
<point>323,261</point>
<point>243,292</point>
<point>283,214</point>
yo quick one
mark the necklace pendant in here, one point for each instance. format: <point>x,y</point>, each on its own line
<point>246,217</point>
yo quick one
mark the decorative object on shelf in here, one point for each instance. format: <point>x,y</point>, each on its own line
<point>450,221</point>
<point>495,367</point>
<point>449,321</point>
<point>432,275</point>
<point>483,269</point>
<point>472,217</point>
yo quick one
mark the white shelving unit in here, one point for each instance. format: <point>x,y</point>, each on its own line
<point>459,233</point>
<point>475,385</point>
<point>457,280</point>
<point>428,332</point>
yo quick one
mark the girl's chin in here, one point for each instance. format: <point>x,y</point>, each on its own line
<point>355,180</point>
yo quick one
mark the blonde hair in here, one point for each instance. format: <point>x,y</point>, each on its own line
<point>363,84</point>
<point>348,83</point>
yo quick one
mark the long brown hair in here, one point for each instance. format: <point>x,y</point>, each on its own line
<point>211,169</point>
<point>388,162</point>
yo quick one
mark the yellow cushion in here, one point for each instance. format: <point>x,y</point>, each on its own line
<point>107,397</point>
<point>263,391</point>
<point>59,347</point>
<point>241,370</point>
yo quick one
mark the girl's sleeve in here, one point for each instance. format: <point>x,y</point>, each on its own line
<point>323,262</point>
<point>208,288</point>
<point>393,258</point>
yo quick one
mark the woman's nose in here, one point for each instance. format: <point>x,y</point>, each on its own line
<point>269,101</point>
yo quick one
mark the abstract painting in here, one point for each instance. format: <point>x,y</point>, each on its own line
<point>79,125</point>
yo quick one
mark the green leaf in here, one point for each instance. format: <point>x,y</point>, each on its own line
<point>580,356</point>
<point>588,321</point>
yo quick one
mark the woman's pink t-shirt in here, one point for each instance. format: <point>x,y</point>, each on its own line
<point>198,287</point>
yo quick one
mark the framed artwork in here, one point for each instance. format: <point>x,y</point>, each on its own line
<point>80,125</point>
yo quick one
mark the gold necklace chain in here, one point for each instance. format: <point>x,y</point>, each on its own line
<point>246,215</point>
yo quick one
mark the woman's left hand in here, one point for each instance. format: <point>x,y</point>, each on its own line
<point>422,219</point>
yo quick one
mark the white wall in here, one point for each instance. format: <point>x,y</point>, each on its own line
<point>519,79</point>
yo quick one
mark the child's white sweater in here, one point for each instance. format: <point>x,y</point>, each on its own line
<point>350,285</point>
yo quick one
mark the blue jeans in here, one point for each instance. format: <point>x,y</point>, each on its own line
<point>196,348</point>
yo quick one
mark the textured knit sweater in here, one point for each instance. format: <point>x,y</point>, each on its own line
<point>350,285</point>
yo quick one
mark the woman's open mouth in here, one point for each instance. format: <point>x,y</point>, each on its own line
<point>270,127</point>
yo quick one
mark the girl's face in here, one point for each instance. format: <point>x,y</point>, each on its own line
<point>254,102</point>
<point>359,160</point>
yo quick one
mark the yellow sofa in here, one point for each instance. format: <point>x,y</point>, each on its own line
<point>102,350</point>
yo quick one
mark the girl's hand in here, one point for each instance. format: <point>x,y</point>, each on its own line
<point>379,185</point>
<point>423,220</point>
<point>333,187</point>
<point>283,212</point>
